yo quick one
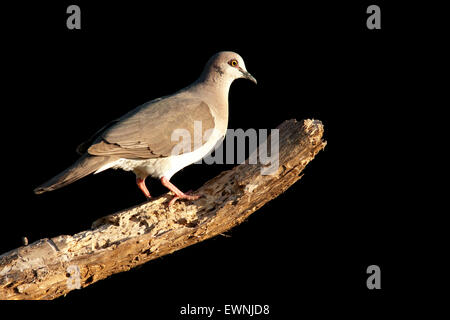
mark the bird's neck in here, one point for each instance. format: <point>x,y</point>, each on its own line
<point>217,87</point>
<point>215,94</point>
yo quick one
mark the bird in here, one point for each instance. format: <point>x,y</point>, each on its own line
<point>142,141</point>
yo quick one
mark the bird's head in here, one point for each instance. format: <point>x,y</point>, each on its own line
<point>226,66</point>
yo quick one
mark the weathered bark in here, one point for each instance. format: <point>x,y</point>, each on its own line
<point>48,268</point>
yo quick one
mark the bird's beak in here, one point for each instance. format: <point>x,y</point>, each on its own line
<point>248,76</point>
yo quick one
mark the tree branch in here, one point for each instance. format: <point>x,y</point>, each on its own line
<point>49,268</point>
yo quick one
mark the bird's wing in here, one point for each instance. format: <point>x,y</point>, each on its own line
<point>84,146</point>
<point>150,131</point>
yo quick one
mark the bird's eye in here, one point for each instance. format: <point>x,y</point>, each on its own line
<point>233,63</point>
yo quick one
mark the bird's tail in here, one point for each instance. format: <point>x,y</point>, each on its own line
<point>84,166</point>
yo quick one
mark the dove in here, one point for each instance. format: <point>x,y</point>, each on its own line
<point>155,139</point>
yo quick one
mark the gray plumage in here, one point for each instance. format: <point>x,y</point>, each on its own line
<point>142,140</point>
<point>81,168</point>
<point>130,139</point>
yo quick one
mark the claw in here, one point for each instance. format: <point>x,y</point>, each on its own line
<point>141,184</point>
<point>178,193</point>
<point>184,196</point>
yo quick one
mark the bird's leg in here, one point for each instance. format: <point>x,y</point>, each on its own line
<point>178,193</point>
<point>141,184</point>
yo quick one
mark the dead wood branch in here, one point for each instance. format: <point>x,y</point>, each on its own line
<point>48,268</point>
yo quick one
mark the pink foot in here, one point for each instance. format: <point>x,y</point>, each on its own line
<point>184,196</point>
<point>141,184</point>
<point>178,193</point>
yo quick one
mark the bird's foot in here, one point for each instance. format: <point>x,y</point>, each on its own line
<point>141,184</point>
<point>178,193</point>
<point>186,196</point>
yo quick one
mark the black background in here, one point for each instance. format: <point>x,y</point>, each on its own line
<point>358,203</point>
